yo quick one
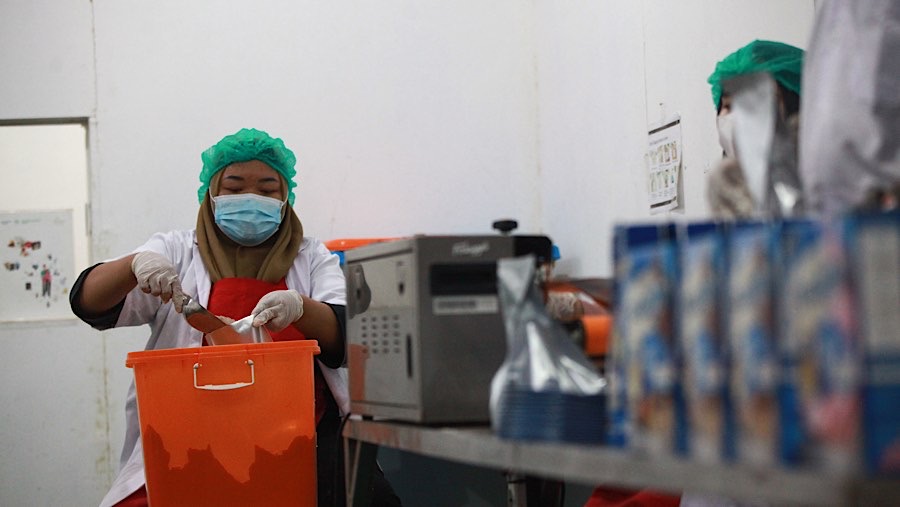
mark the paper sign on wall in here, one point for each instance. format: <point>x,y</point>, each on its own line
<point>36,265</point>
<point>664,151</point>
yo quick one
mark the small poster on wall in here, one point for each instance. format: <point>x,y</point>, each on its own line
<point>36,265</point>
<point>664,164</point>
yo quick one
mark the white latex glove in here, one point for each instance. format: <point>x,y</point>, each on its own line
<point>278,310</point>
<point>157,276</point>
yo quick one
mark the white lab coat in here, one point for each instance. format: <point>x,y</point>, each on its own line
<point>316,273</point>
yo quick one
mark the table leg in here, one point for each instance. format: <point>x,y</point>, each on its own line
<point>359,465</point>
<point>516,490</point>
<point>527,491</point>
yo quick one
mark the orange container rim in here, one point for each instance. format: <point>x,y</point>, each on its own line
<point>343,244</point>
<point>145,356</point>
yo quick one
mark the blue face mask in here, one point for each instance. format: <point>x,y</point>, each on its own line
<point>248,219</point>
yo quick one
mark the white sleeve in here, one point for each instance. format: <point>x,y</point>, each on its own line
<point>326,276</point>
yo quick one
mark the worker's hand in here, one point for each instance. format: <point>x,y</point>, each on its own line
<point>157,276</point>
<point>278,310</point>
<point>727,193</point>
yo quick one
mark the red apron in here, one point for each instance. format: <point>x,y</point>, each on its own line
<point>235,298</point>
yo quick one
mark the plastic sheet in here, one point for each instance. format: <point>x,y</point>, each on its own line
<point>239,331</point>
<point>250,333</point>
<point>544,374</point>
<point>850,141</point>
<point>766,146</point>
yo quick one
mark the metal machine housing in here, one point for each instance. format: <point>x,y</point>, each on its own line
<point>425,333</point>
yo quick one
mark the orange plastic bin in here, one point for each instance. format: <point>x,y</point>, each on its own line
<point>228,425</point>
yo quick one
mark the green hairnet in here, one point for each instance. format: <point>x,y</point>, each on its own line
<point>248,144</point>
<point>782,61</point>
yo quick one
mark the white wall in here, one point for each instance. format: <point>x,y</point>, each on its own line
<point>406,117</point>
<point>46,59</point>
<point>592,125</point>
<point>54,429</point>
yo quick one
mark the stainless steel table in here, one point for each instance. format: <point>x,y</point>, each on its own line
<point>595,465</point>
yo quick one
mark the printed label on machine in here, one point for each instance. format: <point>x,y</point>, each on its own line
<point>464,305</point>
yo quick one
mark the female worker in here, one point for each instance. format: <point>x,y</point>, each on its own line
<point>247,256</point>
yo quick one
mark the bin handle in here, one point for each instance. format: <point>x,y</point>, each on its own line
<point>225,387</point>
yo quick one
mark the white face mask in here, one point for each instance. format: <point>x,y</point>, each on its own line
<point>725,125</point>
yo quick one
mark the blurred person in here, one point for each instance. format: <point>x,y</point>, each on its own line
<point>727,192</point>
<point>246,256</point>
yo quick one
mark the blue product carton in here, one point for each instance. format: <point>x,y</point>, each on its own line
<point>619,428</point>
<point>873,249</point>
<point>701,339</point>
<point>819,350</point>
<point>751,344</point>
<point>643,374</point>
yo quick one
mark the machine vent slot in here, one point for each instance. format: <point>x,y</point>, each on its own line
<point>409,365</point>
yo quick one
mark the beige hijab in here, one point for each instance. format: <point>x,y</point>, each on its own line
<point>223,258</point>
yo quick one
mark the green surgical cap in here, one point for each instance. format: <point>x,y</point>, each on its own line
<point>248,144</point>
<point>782,61</point>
